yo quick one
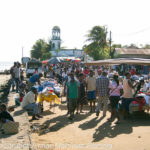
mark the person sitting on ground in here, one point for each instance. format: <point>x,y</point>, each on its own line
<point>29,103</point>
<point>4,114</point>
<point>35,78</point>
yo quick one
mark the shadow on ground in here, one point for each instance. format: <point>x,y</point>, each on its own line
<point>90,124</point>
<point>18,112</point>
<point>125,127</point>
<point>64,107</point>
<point>47,112</point>
<point>62,121</point>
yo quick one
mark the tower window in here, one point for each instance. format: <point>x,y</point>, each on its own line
<point>53,45</point>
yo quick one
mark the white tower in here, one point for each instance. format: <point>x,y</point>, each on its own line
<point>56,41</point>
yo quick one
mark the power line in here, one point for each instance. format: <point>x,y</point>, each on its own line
<point>133,33</point>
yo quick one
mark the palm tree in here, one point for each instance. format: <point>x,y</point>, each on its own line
<point>97,42</point>
<point>98,35</point>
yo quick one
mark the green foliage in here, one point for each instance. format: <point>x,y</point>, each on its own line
<point>41,50</point>
<point>116,46</point>
<point>132,46</point>
<point>147,46</point>
<point>46,56</point>
<point>98,47</point>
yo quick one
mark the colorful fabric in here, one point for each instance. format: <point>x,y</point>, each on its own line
<point>50,97</point>
<point>141,101</point>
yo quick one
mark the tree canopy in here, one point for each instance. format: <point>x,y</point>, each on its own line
<point>41,50</point>
<point>98,46</point>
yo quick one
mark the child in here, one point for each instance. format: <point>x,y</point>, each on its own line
<point>4,114</point>
<point>21,95</point>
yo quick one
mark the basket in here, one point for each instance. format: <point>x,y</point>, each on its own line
<point>10,127</point>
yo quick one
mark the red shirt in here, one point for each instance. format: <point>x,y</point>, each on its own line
<point>21,98</point>
<point>132,72</point>
<point>86,71</point>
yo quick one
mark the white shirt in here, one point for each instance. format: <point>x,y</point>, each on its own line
<point>17,72</point>
<point>29,98</point>
<point>57,71</point>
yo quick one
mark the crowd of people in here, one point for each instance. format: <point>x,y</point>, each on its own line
<point>96,86</point>
<point>99,86</point>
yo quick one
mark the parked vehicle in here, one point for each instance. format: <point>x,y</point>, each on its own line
<point>31,66</point>
<point>24,60</point>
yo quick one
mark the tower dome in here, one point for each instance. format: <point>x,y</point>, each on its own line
<point>56,41</point>
<point>56,28</point>
<point>56,33</point>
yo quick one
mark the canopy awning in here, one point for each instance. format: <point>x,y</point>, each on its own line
<point>117,61</point>
<point>44,61</point>
<point>55,60</point>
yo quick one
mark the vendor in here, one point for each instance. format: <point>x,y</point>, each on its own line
<point>29,103</point>
<point>140,86</point>
<point>35,78</point>
<point>128,94</point>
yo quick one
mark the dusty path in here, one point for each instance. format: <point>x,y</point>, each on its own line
<point>88,132</point>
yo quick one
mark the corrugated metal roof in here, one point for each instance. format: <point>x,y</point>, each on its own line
<point>136,61</point>
<point>133,51</point>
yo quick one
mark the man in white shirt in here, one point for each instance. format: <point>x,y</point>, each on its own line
<point>29,103</point>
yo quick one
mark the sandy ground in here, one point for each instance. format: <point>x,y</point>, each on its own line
<point>88,132</point>
<point>4,78</point>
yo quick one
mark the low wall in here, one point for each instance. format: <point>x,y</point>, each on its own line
<point>5,85</point>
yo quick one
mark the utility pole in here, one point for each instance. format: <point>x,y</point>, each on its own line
<point>110,52</point>
<point>22,52</point>
<point>22,56</point>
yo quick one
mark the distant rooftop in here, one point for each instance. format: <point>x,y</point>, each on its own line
<point>133,51</point>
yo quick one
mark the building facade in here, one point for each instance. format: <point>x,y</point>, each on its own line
<point>56,46</point>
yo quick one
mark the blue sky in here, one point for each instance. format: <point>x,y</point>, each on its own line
<point>25,21</point>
